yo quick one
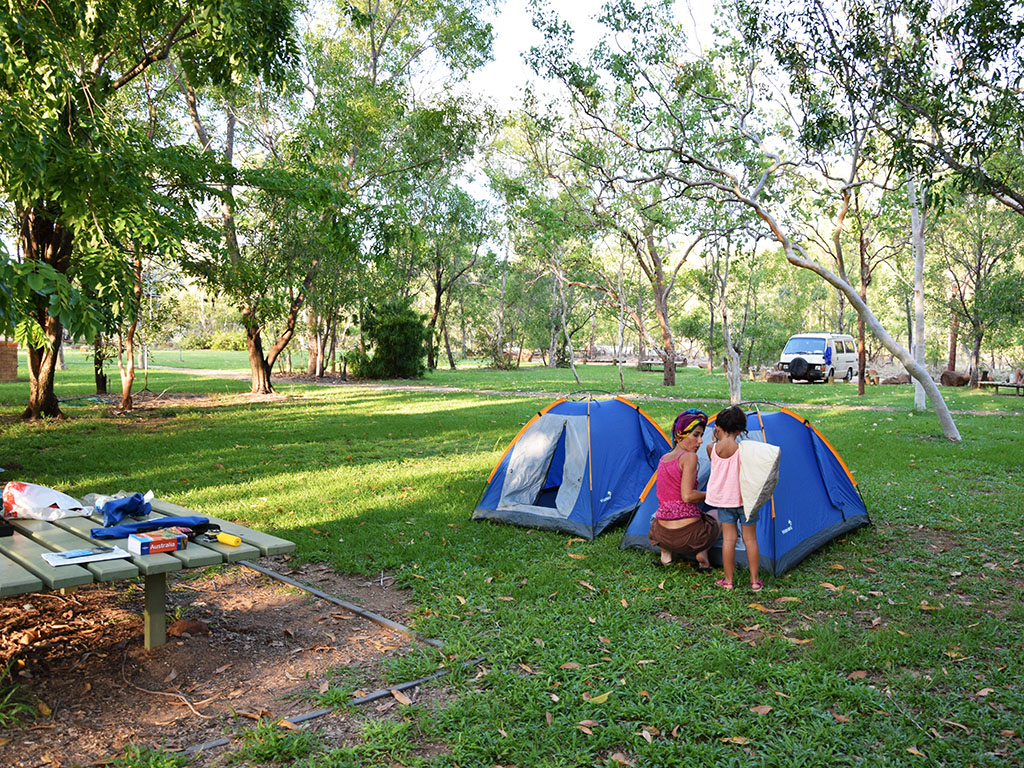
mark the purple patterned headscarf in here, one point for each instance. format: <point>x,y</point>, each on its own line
<point>686,422</point>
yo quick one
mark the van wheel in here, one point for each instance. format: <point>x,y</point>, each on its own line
<point>849,375</point>
<point>798,368</point>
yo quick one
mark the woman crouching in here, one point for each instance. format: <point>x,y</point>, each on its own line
<point>680,527</point>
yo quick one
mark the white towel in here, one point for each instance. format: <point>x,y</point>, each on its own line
<point>759,472</point>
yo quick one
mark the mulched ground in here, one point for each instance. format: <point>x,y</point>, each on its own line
<point>270,649</point>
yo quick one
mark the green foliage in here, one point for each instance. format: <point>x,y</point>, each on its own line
<point>136,756</point>
<point>197,341</point>
<point>398,337</point>
<point>227,340</point>
<point>15,706</point>
<point>396,475</point>
<point>269,743</point>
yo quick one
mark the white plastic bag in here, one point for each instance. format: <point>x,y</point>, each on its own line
<point>40,502</point>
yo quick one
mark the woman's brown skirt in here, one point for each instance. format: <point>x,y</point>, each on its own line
<point>688,540</point>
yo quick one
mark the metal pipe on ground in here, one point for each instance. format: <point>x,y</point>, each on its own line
<point>383,621</point>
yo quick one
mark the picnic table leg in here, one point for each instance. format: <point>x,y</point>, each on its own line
<point>154,613</point>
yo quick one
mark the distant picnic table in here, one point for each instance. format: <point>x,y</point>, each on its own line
<point>1017,388</point>
<point>23,570</point>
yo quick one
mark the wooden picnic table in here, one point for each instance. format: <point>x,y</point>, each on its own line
<point>1018,388</point>
<point>23,570</point>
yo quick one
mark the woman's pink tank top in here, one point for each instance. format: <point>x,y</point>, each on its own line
<point>724,482</point>
<point>668,489</point>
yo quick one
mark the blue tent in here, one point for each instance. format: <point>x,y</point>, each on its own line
<point>815,501</point>
<point>577,466</point>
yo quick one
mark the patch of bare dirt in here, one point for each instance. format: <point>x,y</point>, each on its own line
<point>270,649</point>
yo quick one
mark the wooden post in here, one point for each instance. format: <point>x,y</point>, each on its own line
<point>154,613</point>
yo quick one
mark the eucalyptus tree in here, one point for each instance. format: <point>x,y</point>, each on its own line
<point>367,128</point>
<point>708,130</point>
<point>980,247</point>
<point>81,173</point>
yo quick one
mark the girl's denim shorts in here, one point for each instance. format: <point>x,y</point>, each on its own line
<point>727,515</point>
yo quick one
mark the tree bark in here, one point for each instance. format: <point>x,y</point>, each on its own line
<point>311,341</point>
<point>97,365</point>
<point>258,367</point>
<point>917,232</point>
<point>45,240</point>
<point>126,349</point>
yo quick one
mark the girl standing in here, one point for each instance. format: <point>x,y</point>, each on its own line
<point>680,526</point>
<point>724,495</point>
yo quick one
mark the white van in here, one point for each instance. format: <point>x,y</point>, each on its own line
<point>818,356</point>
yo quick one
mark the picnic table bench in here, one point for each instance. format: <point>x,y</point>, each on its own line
<point>23,570</point>
<point>1018,388</point>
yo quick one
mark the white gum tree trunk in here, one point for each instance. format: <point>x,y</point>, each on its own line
<point>917,235</point>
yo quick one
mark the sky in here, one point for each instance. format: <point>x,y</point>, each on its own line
<point>502,79</point>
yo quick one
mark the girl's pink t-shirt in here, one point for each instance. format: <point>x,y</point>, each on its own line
<point>724,482</point>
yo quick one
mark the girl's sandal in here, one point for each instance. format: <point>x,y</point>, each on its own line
<point>723,584</point>
<point>756,585</point>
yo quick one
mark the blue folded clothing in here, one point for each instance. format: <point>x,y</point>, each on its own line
<point>116,510</point>
<point>126,530</point>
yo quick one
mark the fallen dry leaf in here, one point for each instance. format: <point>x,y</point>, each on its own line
<point>417,576</point>
<point>570,665</point>
<point>800,640</point>
<point>506,598</point>
<point>574,556</point>
<point>218,670</point>
<point>761,709</point>
<point>955,725</point>
<point>589,586</point>
<point>44,710</point>
<point>288,724</point>
<point>539,642</point>
<point>400,697</point>
<point>5,741</point>
<point>762,609</point>
<point>624,603</point>
<point>734,740</point>
<point>662,585</point>
<point>859,674</point>
<point>924,606</point>
<point>461,599</point>
<point>585,730</point>
<point>549,718</point>
<point>1007,734</point>
<point>620,759</point>
<point>828,585</point>
<point>502,731</point>
<point>324,687</point>
<point>600,699</point>
<point>984,692</point>
<point>646,661</point>
<point>839,718</point>
<point>787,599</point>
<point>589,723</point>
<point>645,694</point>
<point>783,695</point>
<point>915,751</point>
<point>837,567</point>
<point>646,736</point>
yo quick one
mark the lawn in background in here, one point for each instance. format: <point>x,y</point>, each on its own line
<point>900,644</point>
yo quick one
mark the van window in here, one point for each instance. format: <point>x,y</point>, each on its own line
<point>805,346</point>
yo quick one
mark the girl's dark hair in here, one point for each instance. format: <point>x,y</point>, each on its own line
<point>732,420</point>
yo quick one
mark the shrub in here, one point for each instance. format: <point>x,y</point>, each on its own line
<point>398,336</point>
<point>196,341</point>
<point>230,340</point>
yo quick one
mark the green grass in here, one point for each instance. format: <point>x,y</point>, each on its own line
<point>903,636</point>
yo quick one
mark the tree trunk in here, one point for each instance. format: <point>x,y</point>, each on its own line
<point>97,365</point>
<point>669,354</point>
<point>954,329</point>
<point>976,357</point>
<point>447,345</point>
<point>312,334</point>
<point>45,240</point>
<point>917,231</point>
<point>127,348</point>
<point>258,368</point>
